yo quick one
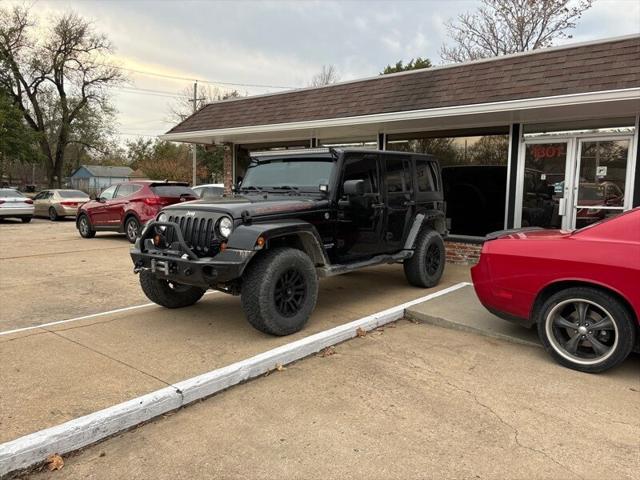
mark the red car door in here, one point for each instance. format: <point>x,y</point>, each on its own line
<point>116,206</point>
<point>98,211</point>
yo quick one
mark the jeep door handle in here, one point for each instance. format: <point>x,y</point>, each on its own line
<point>409,203</point>
<point>377,206</point>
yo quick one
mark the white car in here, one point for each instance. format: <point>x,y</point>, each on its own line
<point>14,204</point>
<point>209,190</point>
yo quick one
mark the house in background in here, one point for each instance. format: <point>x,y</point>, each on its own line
<point>95,178</point>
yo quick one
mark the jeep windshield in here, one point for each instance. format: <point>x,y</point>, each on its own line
<point>287,174</point>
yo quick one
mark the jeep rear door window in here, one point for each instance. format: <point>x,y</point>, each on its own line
<point>291,172</point>
<point>425,176</point>
<point>173,191</point>
<point>398,175</point>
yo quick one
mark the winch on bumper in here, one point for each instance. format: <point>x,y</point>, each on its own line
<point>177,262</point>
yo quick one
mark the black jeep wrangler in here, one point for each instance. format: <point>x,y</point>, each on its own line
<point>297,216</point>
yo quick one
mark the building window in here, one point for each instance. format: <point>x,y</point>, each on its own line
<point>474,176</point>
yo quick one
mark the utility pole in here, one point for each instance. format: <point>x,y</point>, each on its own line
<point>195,107</point>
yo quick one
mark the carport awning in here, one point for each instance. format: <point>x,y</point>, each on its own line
<point>559,82</point>
<point>620,103</point>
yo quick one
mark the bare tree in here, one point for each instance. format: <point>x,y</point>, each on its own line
<point>326,76</point>
<point>54,75</point>
<point>182,107</point>
<point>500,27</point>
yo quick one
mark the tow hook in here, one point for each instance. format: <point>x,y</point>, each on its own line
<point>138,267</point>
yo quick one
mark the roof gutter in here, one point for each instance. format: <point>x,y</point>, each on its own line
<point>474,109</point>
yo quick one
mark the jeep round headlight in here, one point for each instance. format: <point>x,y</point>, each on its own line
<point>162,217</point>
<point>225,225</point>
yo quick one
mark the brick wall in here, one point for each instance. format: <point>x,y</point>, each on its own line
<point>462,253</point>
<point>227,167</point>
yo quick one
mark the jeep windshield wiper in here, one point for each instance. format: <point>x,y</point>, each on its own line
<point>289,188</point>
<point>251,187</point>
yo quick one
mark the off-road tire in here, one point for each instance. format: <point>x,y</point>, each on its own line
<point>418,271</point>
<point>169,294</point>
<point>25,219</point>
<point>625,328</point>
<point>131,229</point>
<point>88,231</point>
<point>53,214</point>
<point>263,279</point>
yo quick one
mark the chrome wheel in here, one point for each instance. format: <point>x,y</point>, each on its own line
<point>581,331</point>
<point>132,229</point>
<point>84,226</point>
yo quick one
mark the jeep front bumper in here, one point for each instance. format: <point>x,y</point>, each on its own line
<point>179,263</point>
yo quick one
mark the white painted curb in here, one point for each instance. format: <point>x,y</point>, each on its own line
<point>34,448</point>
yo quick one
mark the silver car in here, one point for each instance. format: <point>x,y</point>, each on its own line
<point>58,203</point>
<point>209,190</point>
<point>14,204</point>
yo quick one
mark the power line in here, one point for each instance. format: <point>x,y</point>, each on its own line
<point>136,134</point>
<point>213,82</point>
<point>148,91</point>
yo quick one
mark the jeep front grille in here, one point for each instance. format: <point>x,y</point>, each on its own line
<point>198,232</point>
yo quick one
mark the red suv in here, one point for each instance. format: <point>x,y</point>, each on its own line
<point>124,207</point>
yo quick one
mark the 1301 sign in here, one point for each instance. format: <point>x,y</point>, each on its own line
<point>548,151</point>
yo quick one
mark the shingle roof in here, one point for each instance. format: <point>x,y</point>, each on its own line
<point>104,171</point>
<point>608,65</point>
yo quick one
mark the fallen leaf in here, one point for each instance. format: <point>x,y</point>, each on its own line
<point>327,352</point>
<point>55,462</point>
<point>279,367</point>
<point>361,332</point>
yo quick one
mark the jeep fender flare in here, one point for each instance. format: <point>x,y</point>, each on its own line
<point>244,237</point>
<point>436,218</point>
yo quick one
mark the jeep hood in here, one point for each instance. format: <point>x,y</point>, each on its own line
<point>255,205</point>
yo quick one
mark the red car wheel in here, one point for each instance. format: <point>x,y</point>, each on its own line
<point>586,329</point>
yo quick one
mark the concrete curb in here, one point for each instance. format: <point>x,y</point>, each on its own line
<point>32,449</point>
<point>444,323</point>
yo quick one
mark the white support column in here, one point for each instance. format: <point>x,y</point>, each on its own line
<point>382,141</point>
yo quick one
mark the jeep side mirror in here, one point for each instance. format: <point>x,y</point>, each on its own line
<point>353,187</point>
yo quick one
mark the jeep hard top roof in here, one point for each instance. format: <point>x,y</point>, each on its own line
<point>326,152</point>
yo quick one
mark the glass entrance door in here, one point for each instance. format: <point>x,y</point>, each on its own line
<point>600,179</point>
<point>545,189</point>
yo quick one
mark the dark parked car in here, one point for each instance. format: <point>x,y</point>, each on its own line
<point>297,217</point>
<point>126,206</point>
<point>581,289</point>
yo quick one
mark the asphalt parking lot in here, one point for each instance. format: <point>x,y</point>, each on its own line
<point>409,401</point>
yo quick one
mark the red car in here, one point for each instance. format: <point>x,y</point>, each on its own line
<point>125,206</point>
<point>581,289</point>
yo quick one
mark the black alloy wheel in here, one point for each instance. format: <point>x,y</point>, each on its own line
<point>279,290</point>
<point>424,269</point>
<point>290,293</point>
<point>433,259</point>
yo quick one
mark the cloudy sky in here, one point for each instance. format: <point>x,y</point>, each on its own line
<point>275,43</point>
